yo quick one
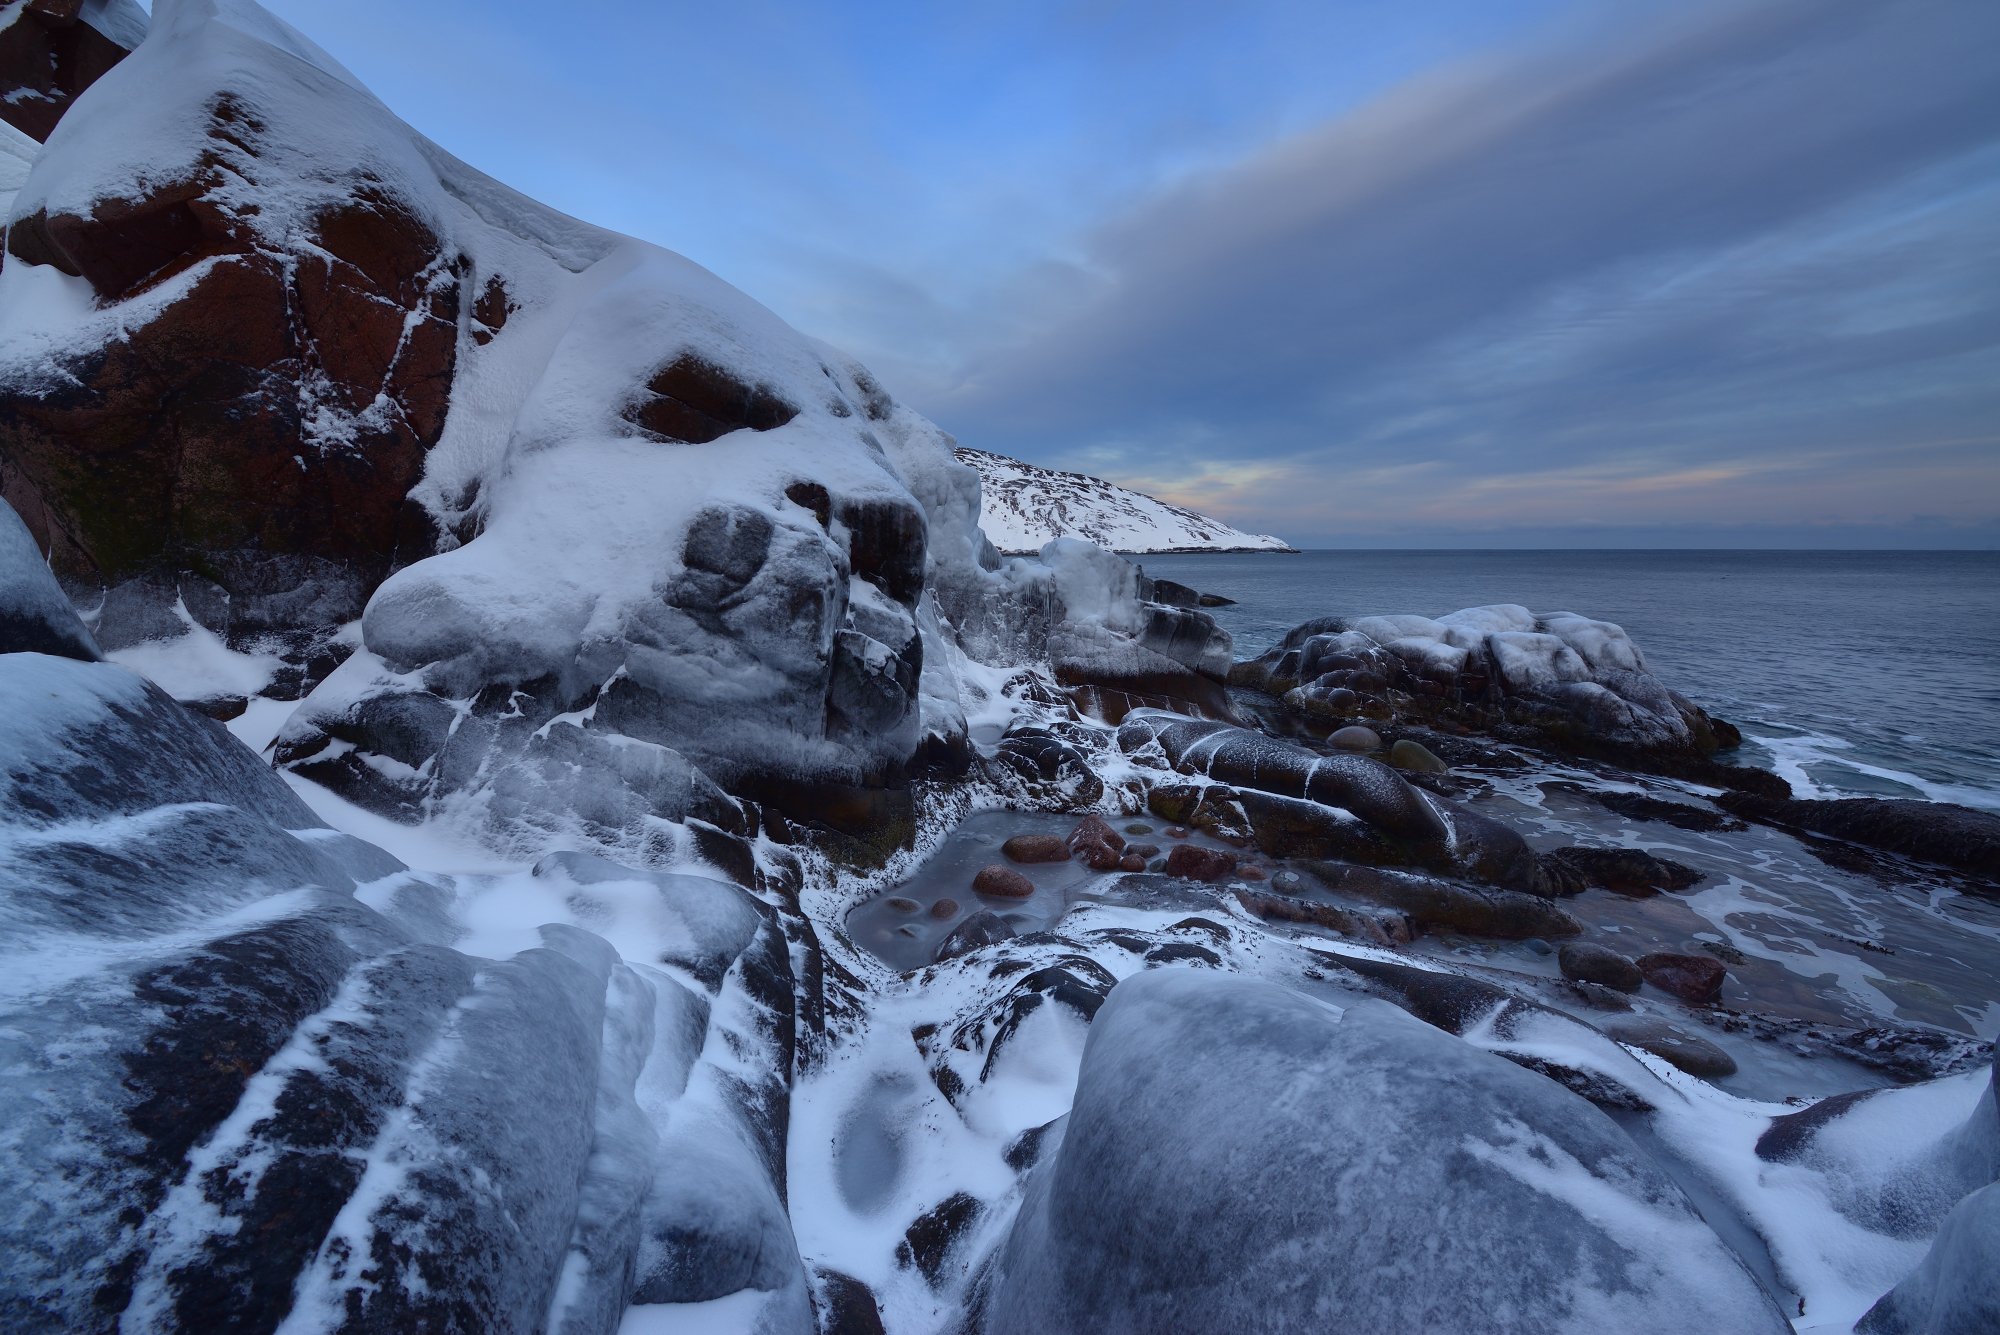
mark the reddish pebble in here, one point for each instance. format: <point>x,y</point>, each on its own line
<point>1003,882</point>
<point>1036,848</point>
<point>1695,978</point>
<point>1131,862</point>
<point>1176,832</point>
<point>1200,864</point>
<point>902,903</point>
<point>944,908</point>
<point>1251,873</point>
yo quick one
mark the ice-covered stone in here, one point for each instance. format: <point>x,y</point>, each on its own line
<point>35,616</point>
<point>1389,1177</point>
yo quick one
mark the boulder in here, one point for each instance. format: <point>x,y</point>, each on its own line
<point>1442,905</point>
<point>52,50</point>
<point>1194,863</point>
<point>1036,848</point>
<point>1631,871</point>
<point>1587,963</point>
<point>1002,882</point>
<point>1095,844</point>
<point>1692,978</point>
<point>1378,1140</point>
<point>1696,1056</point>
<point>1414,756</point>
<point>983,928</point>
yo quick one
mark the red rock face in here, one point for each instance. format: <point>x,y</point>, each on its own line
<point>48,56</point>
<point>283,406</point>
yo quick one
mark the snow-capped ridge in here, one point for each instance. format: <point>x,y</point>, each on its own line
<point>1023,506</point>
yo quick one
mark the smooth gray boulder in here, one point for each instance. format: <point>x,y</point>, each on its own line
<point>1242,1158</point>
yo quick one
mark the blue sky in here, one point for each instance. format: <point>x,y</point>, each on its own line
<point>1458,273</point>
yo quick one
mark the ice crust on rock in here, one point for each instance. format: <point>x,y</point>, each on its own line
<point>270,1100</point>
<point>1559,678</point>
<point>1357,1142</point>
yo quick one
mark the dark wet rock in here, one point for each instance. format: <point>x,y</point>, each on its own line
<point>1940,832</point>
<point>1216,600</point>
<point>1626,870</point>
<point>1138,827</point>
<point>902,903</point>
<point>1025,1150</point>
<point>1587,963</point>
<point>1036,848</point>
<point>1382,929</point>
<point>927,1244</point>
<point>1053,771</point>
<point>1436,904</point>
<point>844,1305</point>
<point>1355,738</point>
<point>1956,1287</point>
<point>1243,759</point>
<point>1692,978</point>
<point>35,616</point>
<point>1558,682</point>
<point>1409,755</point>
<point>1195,863</point>
<point>1640,806</point>
<point>1002,882</point>
<point>1415,1135</point>
<point>1597,996</point>
<point>52,50</point>
<point>1696,1056</point>
<point>944,908</point>
<point>1183,952</point>
<point>982,928</point>
<point>1095,844</point>
<point>1172,594</point>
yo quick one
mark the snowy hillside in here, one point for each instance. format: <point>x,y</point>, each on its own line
<point>1022,506</point>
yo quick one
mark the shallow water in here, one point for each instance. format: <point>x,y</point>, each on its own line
<point>1874,673</point>
<point>908,938</point>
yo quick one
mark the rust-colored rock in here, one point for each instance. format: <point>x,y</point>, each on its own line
<point>944,909</point>
<point>1002,883</point>
<point>1131,862</point>
<point>1693,978</point>
<point>1036,848</point>
<point>48,56</point>
<point>281,409</point>
<point>1096,845</point>
<point>1195,863</point>
<point>691,401</point>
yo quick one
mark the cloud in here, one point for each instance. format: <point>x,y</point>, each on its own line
<point>1635,272</point>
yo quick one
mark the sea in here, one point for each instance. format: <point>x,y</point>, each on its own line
<point>1850,673</point>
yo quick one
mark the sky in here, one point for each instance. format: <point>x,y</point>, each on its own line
<point>1488,273</point>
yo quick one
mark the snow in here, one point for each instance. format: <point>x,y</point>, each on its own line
<point>17,154</point>
<point>1023,506</point>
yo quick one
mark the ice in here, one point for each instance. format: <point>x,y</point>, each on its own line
<point>35,616</point>
<point>1957,1287</point>
<point>1393,1177</point>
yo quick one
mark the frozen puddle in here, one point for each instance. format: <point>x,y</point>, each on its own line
<point>904,926</point>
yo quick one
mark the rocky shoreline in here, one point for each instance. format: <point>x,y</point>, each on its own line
<point>805,917</point>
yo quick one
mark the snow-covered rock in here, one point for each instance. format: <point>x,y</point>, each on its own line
<point>1023,507</point>
<point>1241,1158</point>
<point>236,1091</point>
<point>1557,679</point>
<point>51,50</point>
